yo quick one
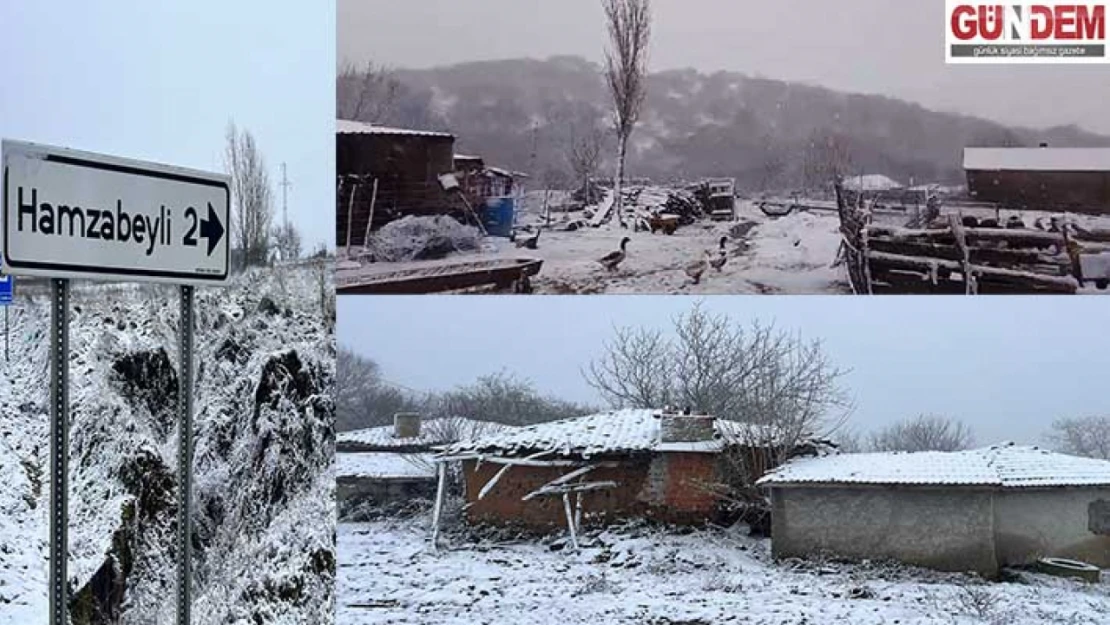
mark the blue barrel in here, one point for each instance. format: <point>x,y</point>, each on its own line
<point>498,216</point>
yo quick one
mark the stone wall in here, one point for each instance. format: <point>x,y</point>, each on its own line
<point>941,528</point>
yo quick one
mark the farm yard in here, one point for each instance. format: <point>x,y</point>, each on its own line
<point>793,253</point>
<point>388,573</point>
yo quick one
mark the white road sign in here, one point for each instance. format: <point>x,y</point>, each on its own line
<point>70,214</point>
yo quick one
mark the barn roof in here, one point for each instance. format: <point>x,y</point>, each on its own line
<point>384,465</point>
<point>1037,159</point>
<point>348,127</point>
<point>617,431</point>
<point>432,432</point>
<point>1002,466</point>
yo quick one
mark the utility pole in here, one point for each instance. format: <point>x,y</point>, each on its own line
<point>285,184</point>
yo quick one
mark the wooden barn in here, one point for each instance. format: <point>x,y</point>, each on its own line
<point>1052,179</point>
<point>387,173</point>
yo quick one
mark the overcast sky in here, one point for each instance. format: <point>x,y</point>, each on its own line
<point>891,47</point>
<point>1007,366</point>
<point>160,80</point>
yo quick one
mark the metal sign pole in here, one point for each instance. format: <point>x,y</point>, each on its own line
<point>185,459</point>
<point>59,449</point>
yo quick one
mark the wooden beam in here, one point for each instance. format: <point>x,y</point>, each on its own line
<point>570,522</point>
<point>437,510</point>
<point>580,487</point>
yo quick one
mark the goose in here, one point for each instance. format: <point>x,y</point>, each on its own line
<point>697,268</point>
<point>612,259</point>
<point>722,256</point>
<point>531,242</point>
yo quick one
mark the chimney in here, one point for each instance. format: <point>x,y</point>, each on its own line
<point>686,428</point>
<point>406,425</point>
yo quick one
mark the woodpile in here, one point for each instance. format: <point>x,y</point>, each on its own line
<point>643,204</point>
<point>950,254</point>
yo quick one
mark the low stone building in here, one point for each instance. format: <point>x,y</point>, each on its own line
<point>392,465</point>
<point>596,469</point>
<point>977,510</point>
<point>383,479</point>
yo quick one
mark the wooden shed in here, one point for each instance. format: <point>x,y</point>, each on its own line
<point>1051,179</point>
<point>406,165</point>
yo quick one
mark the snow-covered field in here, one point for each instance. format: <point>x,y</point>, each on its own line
<point>388,574</point>
<point>793,254</point>
<point>263,469</point>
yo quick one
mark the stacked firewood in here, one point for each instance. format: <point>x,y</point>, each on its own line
<point>951,254</point>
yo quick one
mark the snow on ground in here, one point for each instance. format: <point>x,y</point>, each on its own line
<point>793,254</point>
<point>388,574</point>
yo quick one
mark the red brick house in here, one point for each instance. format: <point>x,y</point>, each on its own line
<point>595,469</point>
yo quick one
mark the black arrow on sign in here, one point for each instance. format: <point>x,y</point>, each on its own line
<point>211,229</point>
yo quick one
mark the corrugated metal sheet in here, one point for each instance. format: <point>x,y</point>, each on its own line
<point>1002,466</point>
<point>1037,159</point>
<point>347,127</point>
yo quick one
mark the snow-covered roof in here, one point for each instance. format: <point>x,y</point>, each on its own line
<point>348,127</point>
<point>871,182</point>
<point>384,465</point>
<point>1001,466</point>
<point>1037,159</point>
<point>617,431</point>
<point>497,171</point>
<point>432,432</point>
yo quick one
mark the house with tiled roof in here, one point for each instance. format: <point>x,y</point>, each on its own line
<point>978,510</point>
<point>598,468</point>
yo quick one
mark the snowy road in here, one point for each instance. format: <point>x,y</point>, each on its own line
<point>388,575</point>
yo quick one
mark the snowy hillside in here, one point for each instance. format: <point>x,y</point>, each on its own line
<point>264,427</point>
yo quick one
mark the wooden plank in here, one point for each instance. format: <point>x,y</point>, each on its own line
<point>437,509</point>
<point>570,522</point>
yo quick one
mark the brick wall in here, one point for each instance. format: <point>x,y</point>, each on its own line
<point>659,486</point>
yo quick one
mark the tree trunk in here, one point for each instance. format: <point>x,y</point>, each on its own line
<point>618,184</point>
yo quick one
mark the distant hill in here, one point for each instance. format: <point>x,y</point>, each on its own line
<point>766,133</point>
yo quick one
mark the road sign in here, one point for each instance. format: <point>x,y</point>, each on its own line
<point>71,214</point>
<point>7,286</point>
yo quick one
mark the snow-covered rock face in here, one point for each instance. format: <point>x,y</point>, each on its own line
<point>264,442</point>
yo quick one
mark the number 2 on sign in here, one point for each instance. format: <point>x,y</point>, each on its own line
<point>190,236</point>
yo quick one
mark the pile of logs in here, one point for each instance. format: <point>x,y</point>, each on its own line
<point>950,254</point>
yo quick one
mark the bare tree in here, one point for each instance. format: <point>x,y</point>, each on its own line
<point>288,241</point>
<point>629,23</point>
<point>786,388</point>
<point>1086,436</point>
<point>778,390</point>
<point>369,94</point>
<point>251,194</point>
<point>363,398</point>
<point>828,155</point>
<point>584,155</point>
<point>504,398</point>
<point>923,433</point>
